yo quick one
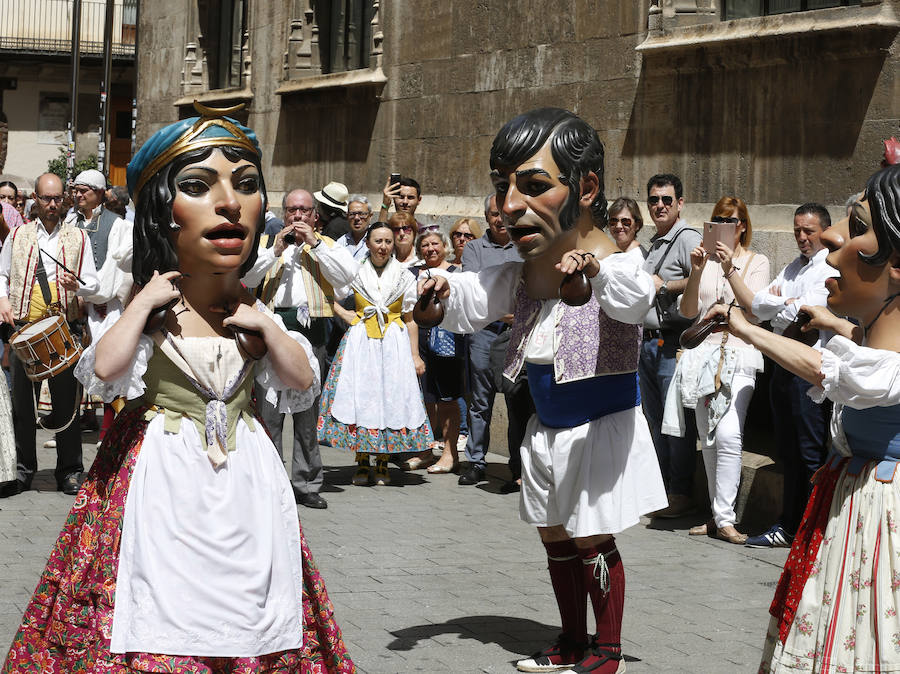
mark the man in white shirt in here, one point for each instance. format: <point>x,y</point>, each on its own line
<point>290,282</point>
<point>29,283</point>
<point>359,213</point>
<point>800,426</point>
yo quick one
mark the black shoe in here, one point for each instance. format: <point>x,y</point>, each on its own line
<point>473,475</point>
<point>510,487</point>
<point>70,484</point>
<point>12,488</point>
<point>312,501</point>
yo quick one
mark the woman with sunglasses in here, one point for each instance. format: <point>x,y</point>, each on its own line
<point>836,605</point>
<point>405,229</point>
<point>461,232</point>
<point>625,222</point>
<point>371,403</point>
<point>717,377</point>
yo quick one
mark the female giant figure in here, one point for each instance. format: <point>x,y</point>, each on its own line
<point>835,608</point>
<point>183,552</point>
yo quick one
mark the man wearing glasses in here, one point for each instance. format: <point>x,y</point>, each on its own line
<point>359,213</point>
<point>669,262</point>
<point>289,281</point>
<point>29,283</point>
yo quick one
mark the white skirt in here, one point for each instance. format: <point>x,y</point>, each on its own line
<point>210,558</point>
<point>378,387</point>
<point>7,437</point>
<point>596,478</point>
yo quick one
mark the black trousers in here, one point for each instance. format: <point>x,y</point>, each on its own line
<point>801,434</point>
<point>63,389</point>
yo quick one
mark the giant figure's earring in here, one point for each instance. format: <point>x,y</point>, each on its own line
<point>174,226</point>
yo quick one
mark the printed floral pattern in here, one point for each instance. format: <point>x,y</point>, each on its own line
<point>67,625</point>
<point>840,579</point>
<point>365,440</point>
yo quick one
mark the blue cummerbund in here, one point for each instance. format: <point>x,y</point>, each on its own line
<point>873,433</point>
<point>577,402</point>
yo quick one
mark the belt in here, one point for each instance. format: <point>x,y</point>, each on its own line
<point>656,333</point>
<point>496,327</point>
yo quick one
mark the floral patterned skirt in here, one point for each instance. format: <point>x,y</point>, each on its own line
<point>846,615</point>
<point>67,625</point>
<point>365,440</point>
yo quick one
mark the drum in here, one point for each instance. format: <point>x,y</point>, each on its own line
<point>45,347</point>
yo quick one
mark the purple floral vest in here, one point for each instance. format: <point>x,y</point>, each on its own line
<point>591,344</point>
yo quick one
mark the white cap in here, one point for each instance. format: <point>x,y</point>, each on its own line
<point>91,178</point>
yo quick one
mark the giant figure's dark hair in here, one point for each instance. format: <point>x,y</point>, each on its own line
<point>153,248</point>
<point>574,144</point>
<point>883,195</point>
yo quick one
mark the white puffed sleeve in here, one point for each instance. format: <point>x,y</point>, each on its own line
<point>337,264</point>
<point>287,400</point>
<point>478,299</point>
<point>622,288</point>
<point>410,294</point>
<point>858,376</point>
<point>131,384</point>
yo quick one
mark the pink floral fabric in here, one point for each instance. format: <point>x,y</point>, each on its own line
<point>67,625</point>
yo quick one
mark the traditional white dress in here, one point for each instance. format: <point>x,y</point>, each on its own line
<point>372,402</point>
<point>210,545</point>
<point>845,608</point>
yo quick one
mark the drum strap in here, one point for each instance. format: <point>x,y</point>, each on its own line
<point>37,416</point>
<point>41,275</point>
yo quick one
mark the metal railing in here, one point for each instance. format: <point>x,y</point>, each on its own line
<point>45,27</point>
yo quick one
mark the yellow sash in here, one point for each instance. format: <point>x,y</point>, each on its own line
<point>368,313</point>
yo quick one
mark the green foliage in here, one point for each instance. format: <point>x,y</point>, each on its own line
<point>58,165</point>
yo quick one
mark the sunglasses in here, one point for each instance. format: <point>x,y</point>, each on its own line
<point>463,235</point>
<point>625,222</point>
<point>402,228</point>
<point>667,200</point>
<point>727,221</point>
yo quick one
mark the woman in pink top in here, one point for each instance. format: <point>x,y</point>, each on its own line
<point>717,378</point>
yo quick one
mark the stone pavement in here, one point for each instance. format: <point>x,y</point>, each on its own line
<point>427,576</point>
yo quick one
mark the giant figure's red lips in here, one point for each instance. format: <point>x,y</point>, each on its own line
<point>228,235</point>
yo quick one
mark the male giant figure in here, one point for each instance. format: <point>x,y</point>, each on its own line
<point>29,282</point>
<point>294,287</point>
<point>588,467</point>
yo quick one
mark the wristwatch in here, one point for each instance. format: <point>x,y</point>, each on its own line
<point>664,288</point>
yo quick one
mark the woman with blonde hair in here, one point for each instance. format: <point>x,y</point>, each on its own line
<point>461,232</point>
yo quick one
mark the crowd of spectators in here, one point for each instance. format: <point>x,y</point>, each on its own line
<point>701,393</point>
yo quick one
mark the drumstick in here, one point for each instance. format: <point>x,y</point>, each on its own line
<point>65,268</point>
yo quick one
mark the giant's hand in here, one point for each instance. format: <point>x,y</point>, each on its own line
<point>579,260</point>
<point>440,284</point>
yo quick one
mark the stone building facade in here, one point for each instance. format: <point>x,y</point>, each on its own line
<point>778,108</point>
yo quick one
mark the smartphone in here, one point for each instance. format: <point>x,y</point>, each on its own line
<point>717,231</point>
<point>395,178</point>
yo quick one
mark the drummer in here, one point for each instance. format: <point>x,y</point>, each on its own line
<point>29,282</point>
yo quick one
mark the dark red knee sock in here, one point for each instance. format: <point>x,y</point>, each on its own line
<point>604,580</point>
<point>567,578</point>
<point>108,416</point>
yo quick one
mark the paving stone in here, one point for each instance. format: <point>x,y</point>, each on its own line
<point>428,576</point>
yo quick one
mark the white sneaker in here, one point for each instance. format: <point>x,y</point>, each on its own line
<point>50,444</point>
<point>461,443</point>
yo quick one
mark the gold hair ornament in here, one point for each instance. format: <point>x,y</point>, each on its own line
<point>192,140</point>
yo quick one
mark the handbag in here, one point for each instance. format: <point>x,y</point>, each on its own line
<point>441,342</point>
<point>666,305</point>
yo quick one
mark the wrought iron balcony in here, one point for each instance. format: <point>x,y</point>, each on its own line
<point>45,27</point>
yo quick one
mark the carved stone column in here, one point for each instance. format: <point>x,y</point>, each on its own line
<point>302,56</point>
<point>376,54</point>
<point>668,14</point>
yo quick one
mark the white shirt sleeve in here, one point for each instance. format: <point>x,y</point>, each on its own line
<point>5,264</point>
<point>287,400</point>
<point>478,299</point>
<point>115,282</point>
<point>265,259</point>
<point>337,264</point>
<point>90,287</point>
<point>623,289</point>
<point>767,305</point>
